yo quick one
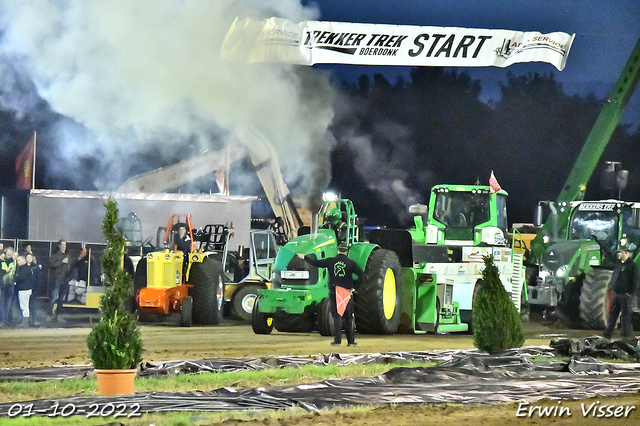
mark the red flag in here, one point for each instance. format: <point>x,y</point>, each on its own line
<point>493,183</point>
<point>24,165</point>
<point>342,299</point>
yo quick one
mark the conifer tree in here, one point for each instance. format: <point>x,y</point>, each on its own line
<point>496,322</point>
<point>115,343</point>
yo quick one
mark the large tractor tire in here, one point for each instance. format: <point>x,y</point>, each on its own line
<point>293,323</point>
<point>207,279</point>
<point>594,299</point>
<point>244,300</point>
<point>261,323</point>
<point>377,299</point>
<point>325,320</point>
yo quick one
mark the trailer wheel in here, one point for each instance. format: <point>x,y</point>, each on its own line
<point>595,299</point>
<point>186,311</point>
<point>377,300</point>
<point>207,279</point>
<point>325,320</point>
<point>243,301</point>
<point>261,323</point>
<point>293,323</point>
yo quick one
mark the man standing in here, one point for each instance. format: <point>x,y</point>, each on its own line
<point>59,266</point>
<point>623,284</point>
<point>25,281</point>
<point>341,270</point>
<point>7,287</point>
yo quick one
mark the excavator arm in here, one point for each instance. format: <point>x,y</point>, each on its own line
<point>594,146</point>
<point>249,142</point>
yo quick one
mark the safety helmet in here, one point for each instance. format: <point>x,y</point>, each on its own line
<point>332,216</point>
<point>625,245</point>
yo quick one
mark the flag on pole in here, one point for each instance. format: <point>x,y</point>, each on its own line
<point>25,164</point>
<point>342,299</point>
<point>493,183</point>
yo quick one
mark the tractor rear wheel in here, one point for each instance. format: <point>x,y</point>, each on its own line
<point>594,299</point>
<point>207,279</point>
<point>243,301</point>
<point>377,300</point>
<point>325,320</point>
<point>261,323</point>
<point>186,312</point>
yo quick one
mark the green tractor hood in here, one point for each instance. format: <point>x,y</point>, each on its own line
<point>323,241</point>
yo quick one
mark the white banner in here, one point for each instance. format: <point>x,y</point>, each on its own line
<point>315,42</point>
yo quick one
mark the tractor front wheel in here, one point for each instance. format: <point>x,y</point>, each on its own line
<point>261,323</point>
<point>186,312</point>
<point>207,279</point>
<point>325,320</point>
<point>377,300</point>
<point>594,299</point>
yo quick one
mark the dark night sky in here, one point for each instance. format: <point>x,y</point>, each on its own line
<point>115,91</point>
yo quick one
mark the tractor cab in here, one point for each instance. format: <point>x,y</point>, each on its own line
<point>463,215</point>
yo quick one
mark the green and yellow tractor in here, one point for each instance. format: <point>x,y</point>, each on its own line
<point>389,293</point>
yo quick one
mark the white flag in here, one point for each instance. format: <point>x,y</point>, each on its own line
<point>313,42</point>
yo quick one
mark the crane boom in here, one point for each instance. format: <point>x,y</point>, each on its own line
<point>594,146</point>
<point>248,142</point>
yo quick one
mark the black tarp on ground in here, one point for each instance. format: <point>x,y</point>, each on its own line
<point>465,377</point>
<point>167,368</point>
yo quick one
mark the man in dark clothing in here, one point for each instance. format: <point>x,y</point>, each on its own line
<point>25,282</point>
<point>7,286</point>
<point>59,266</point>
<point>341,270</point>
<point>623,284</point>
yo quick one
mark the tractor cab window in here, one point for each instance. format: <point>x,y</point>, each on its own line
<point>599,224</point>
<point>461,209</point>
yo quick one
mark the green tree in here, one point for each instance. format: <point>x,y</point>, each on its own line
<point>496,322</point>
<point>115,343</point>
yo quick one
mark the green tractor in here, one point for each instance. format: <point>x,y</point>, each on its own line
<point>575,269</point>
<point>298,298</point>
<point>442,256</point>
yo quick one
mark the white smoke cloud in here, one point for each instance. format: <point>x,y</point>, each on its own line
<point>140,71</point>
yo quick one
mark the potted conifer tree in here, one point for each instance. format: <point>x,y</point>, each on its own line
<point>115,346</point>
<point>496,322</point>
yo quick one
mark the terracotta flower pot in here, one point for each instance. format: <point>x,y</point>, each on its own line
<point>115,382</point>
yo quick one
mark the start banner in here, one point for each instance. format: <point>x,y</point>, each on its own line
<point>315,42</point>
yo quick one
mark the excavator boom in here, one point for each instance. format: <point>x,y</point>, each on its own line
<point>597,140</point>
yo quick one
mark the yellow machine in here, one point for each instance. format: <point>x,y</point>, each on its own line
<point>191,281</point>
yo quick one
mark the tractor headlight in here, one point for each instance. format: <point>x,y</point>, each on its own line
<point>562,271</point>
<point>167,256</point>
<point>194,258</point>
<point>150,256</point>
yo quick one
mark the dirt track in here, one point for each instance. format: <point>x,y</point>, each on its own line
<point>166,341</point>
